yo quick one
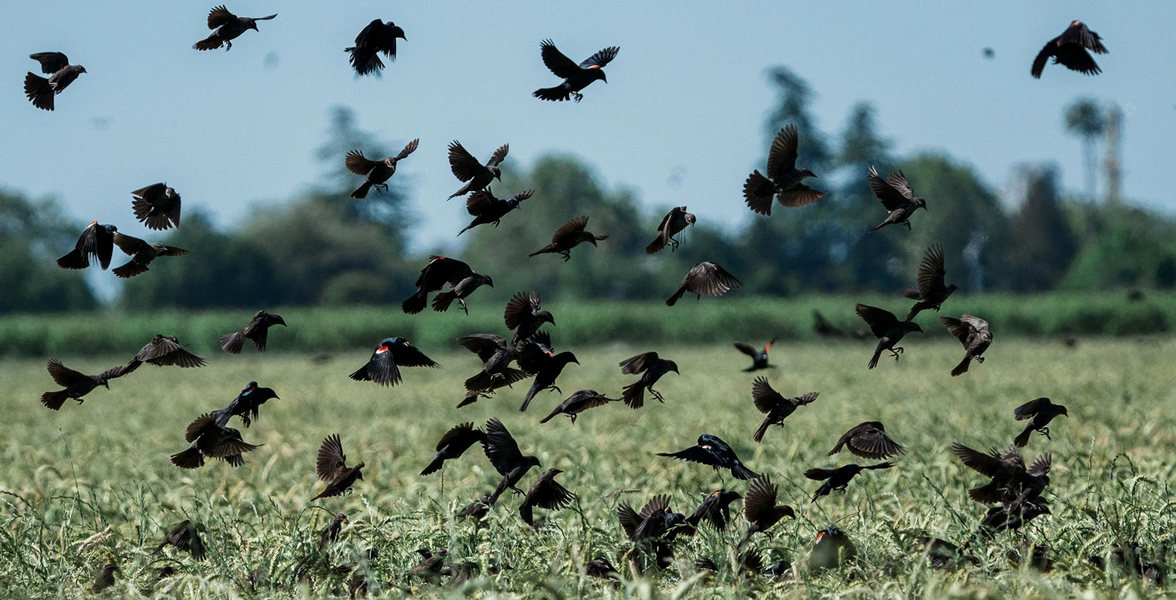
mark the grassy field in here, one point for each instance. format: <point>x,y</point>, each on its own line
<point>92,484</point>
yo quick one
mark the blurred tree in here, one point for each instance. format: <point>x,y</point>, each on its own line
<point>793,97</point>
<point>1044,246</point>
<point>1132,248</point>
<point>1084,119</point>
<point>32,236</point>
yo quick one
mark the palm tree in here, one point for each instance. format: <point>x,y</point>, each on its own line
<point>1084,119</point>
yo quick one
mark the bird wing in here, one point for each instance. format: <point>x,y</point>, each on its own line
<point>872,442</point>
<point>975,323</point>
<point>498,156</point>
<point>480,201</point>
<point>357,163</point>
<point>1079,33</point>
<point>746,349</point>
<point>202,425</point>
<point>891,198</point>
<point>331,460</point>
<point>815,475</point>
<point>782,155</point>
<point>879,320</point>
<point>570,228</point>
<point>1042,57</point>
<point>485,345</point>
<point>898,181</point>
<point>462,163</point>
<point>410,356</point>
<point>549,494</point>
<point>464,430</point>
<point>536,353</point>
<point>657,504</point>
<point>173,251</point>
<point>931,271</point>
<point>130,245</point>
<point>500,447</point>
<point>409,148</point>
<point>957,328</point>
<point>766,399</point>
<point>522,303</point>
<point>231,445</point>
<point>638,363</point>
<point>219,16</point>
<point>601,58</point>
<point>267,18</point>
<point>443,269</point>
<point>710,279</point>
<point>986,464</point>
<point>1030,408</point>
<point>62,375</point>
<point>523,195</point>
<point>629,520</point>
<point>760,499</point>
<point>51,62</point>
<point>152,193</point>
<point>1041,465</point>
<point>694,454</point>
<point>799,195</point>
<point>808,398</point>
<point>555,61</point>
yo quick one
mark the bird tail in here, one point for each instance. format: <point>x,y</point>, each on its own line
<point>364,62</point>
<point>416,302</point>
<point>986,493</point>
<point>962,367</point>
<point>188,459</point>
<point>531,394</point>
<point>557,93</point>
<point>232,342</point>
<point>467,228</point>
<point>526,513</point>
<point>634,395</point>
<point>877,353</point>
<point>543,250</point>
<point>209,43</point>
<point>234,460</point>
<point>677,296</point>
<point>549,417</point>
<point>74,260</point>
<point>656,245</point>
<point>434,465</point>
<point>1022,439</point>
<point>54,400</point>
<point>763,429</point>
<point>442,301</point>
<point>361,192</point>
<point>880,226</point>
<point>38,90</point>
<point>130,270</point>
<point>742,472</point>
<point>470,398</point>
<point>758,192</point>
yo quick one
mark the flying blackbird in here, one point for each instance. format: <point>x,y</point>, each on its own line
<point>76,384</point>
<point>255,331</point>
<point>476,510</point>
<point>671,225</point>
<point>226,27</point>
<point>185,536</point>
<point>524,316</point>
<point>104,579</point>
<point>705,278</point>
<point>377,37</point>
<point>384,365</point>
<point>930,291</point>
<point>823,328</point>
<point>247,404</point>
<point>157,206</point>
<point>503,452</point>
<point>1070,50</point>
<point>1010,478</point>
<point>545,493</point>
<point>1039,412</point>
<point>773,404</point>
<point>897,197</point>
<point>332,468</point>
<point>651,368</point>
<point>1012,515</point>
<point>868,440</point>
<point>783,179</point>
<point>467,168</point>
<point>715,510</point>
<point>491,349</point>
<point>713,451</point>
<point>760,507</point>
<point>759,358</point>
<point>568,236</point>
<point>164,351</point>
<point>56,65</point>
<point>460,292</point>
<point>537,356</point>
<point>432,565</point>
<point>96,241</point>
<point>887,328</point>
<point>578,403</point>
<point>654,528</point>
<point>974,333</point>
<point>576,77</point>
<point>453,444</point>
<point>600,568</point>
<point>833,549</point>
<point>141,254</point>
<point>330,533</point>
<point>484,384</point>
<point>485,208</point>
<point>839,478</point>
<point>375,172</point>
<point>210,438</point>
<point>437,273</point>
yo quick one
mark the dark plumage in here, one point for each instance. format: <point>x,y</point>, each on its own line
<point>453,444</point>
<point>376,173</point>
<point>96,241</point>
<point>432,565</point>
<point>1010,478</point>
<point>897,197</point>
<point>760,508</point>
<point>1013,514</point>
<point>651,367</point>
<point>783,179</point>
<point>104,579</point>
<point>157,206</point>
<point>165,351</point>
<point>210,438</point>
<point>833,549</point>
<point>384,365</point>
<point>839,478</point>
<point>600,568</point>
<point>434,276</point>
<point>476,510</point>
<point>773,404</point>
<point>485,208</point>
<point>671,225</point>
<point>547,493</point>
<point>467,168</point>
<point>524,315</point>
<point>330,533</point>
<point>496,357</point>
<point>185,536</point>
<point>868,440</point>
<point>710,450</point>
<point>503,451</point>
<point>1039,413</point>
<point>887,328</point>
<point>653,529</point>
<point>568,236</point>
<point>226,27</point>
<point>705,278</point>
<point>141,254</point>
<point>332,468</point>
<point>41,91</point>
<point>537,356</point>
<point>256,331</point>
<point>247,404</point>
<point>576,77</point>
<point>460,291</point>
<point>578,403</point>
<point>76,384</point>
<point>973,332</point>
<point>378,37</point>
<point>759,358</point>
<point>484,383</point>
<point>1070,50</point>
<point>715,509</point>
<point>930,290</point>
<point>942,554</point>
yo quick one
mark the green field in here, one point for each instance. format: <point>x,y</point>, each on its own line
<point>92,484</point>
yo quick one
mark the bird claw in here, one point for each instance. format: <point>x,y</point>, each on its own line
<point>896,352</point>
<point>1045,431</point>
<point>657,395</point>
<point>979,359</point>
<point>567,256</point>
<point>463,306</point>
<point>577,96</point>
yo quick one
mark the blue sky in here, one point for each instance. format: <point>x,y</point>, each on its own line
<point>686,96</point>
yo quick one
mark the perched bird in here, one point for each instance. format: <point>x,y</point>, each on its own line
<point>773,404</point>
<point>96,241</point>
<point>833,549</point>
<point>434,276</point>
<point>568,236</point>
<point>783,179</point>
<point>537,356</point>
<point>600,568</point>
<point>1070,50</point>
<point>330,533</point>
<point>384,365</point>
<point>868,440</point>
<point>1010,478</point>
<point>929,290</point>
<point>157,206</point>
<point>185,536</point>
<point>503,451</point>
<point>226,27</point>
<point>973,332</point>
<point>247,404</point>
<point>460,291</point>
<point>760,507</point>
<point>887,328</point>
<point>376,173</point>
<point>210,438</point>
<point>256,331</point>
<point>76,384</point>
<point>578,403</point>
<point>332,468</point>
<point>942,554</point>
<point>713,451</point>
<point>476,510</point>
<point>1039,412</point>
<point>524,315</point>
<point>576,77</point>
<point>545,493</point>
<point>141,254</point>
<point>759,358</point>
<point>651,367</point>
<point>672,224</point>
<point>839,478</point>
<point>104,579</point>
<point>715,509</point>
<point>165,351</point>
<point>453,444</point>
<point>432,565</point>
<point>486,209</point>
<point>41,91</point>
<point>475,175</point>
<point>705,278</point>
<point>897,197</point>
<point>377,37</point>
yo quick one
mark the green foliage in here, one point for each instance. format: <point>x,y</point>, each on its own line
<point>1044,245</point>
<point>32,236</point>
<point>1123,247</point>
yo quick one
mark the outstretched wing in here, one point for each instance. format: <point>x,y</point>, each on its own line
<point>219,16</point>
<point>409,148</point>
<point>879,320</point>
<point>891,198</point>
<point>601,58</point>
<point>562,66</point>
<point>766,399</point>
<point>500,447</point>
<point>694,454</point>
<point>331,460</point>
<point>746,349</point>
<point>462,163</point>
<point>638,363</point>
<point>572,227</point>
<point>931,271</point>
<point>498,156</point>
<point>1030,408</point>
<point>51,62</point>
<point>130,245</point>
<point>522,304</point>
<point>985,464</point>
<point>782,155</point>
<point>357,163</point>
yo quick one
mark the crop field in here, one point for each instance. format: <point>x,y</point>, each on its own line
<point>92,484</point>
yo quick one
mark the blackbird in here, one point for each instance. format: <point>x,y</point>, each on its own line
<point>714,510</point>
<point>96,241</point>
<point>942,554</point>
<point>467,168</point>
<point>247,404</point>
<point>773,404</point>
<point>185,536</point>
<point>157,206</point>
<point>713,451</point>
<point>929,290</point>
<point>887,328</point>
<point>568,236</point>
<point>460,292</point>
<point>503,452</point>
<point>1013,515</point>
<point>760,507</point>
<point>453,444</point>
<point>651,368</point>
<point>437,273</point>
<point>576,77</point>
<point>104,579</point>
<point>165,351</point>
<point>1010,478</point>
<point>783,179</point>
<point>330,533</point>
<point>524,316</point>
<point>332,468</point>
<point>485,208</point>
<point>484,384</point>
<point>759,358</point>
<point>432,565</point>
<point>545,493</point>
<point>210,438</point>
<point>226,27</point>
<point>671,225</point>
<point>705,278</point>
<point>600,568</point>
<point>256,331</point>
<point>377,37</point>
<point>833,549</point>
<point>868,440</point>
<point>476,510</point>
<point>839,478</point>
<point>41,91</point>
<point>141,254</point>
<point>491,349</point>
<point>384,365</point>
<point>1039,413</point>
<point>973,332</point>
<point>537,356</point>
<point>376,173</point>
<point>578,403</point>
<point>654,528</point>
<point>897,197</point>
<point>1070,51</point>
<point>76,384</point>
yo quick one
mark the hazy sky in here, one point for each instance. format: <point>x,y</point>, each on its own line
<point>685,101</point>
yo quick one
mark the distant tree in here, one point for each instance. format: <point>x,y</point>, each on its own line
<point>793,98</point>
<point>1131,249</point>
<point>32,236</point>
<point>1084,119</point>
<point>1043,244</point>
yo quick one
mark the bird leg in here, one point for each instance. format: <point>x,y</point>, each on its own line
<point>908,224</point>
<point>229,45</point>
<point>567,254</point>
<point>979,359</point>
<point>1045,431</point>
<point>577,96</point>
<point>896,351</point>
<point>673,244</point>
<point>383,187</point>
<point>463,306</point>
<point>573,416</point>
<point>657,395</point>
<point>555,388</point>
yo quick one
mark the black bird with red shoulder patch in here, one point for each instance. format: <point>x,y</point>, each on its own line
<point>332,468</point>
<point>713,451</point>
<point>256,331</point>
<point>1071,51</point>
<point>576,77</point>
<point>759,358</point>
<point>97,242</point>
<point>384,365</point>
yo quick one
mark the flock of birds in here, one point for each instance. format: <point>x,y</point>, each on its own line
<point>1013,489</point>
